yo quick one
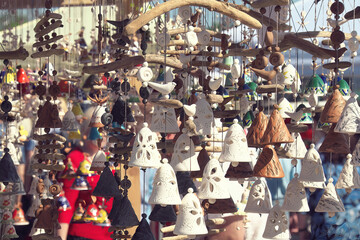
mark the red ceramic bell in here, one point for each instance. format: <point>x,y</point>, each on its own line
<point>21,76</point>
<point>19,217</point>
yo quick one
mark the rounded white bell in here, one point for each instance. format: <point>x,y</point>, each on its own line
<point>184,157</point>
<point>204,117</point>
<point>277,225</point>
<point>98,162</point>
<point>311,166</point>
<point>295,197</point>
<point>259,200</point>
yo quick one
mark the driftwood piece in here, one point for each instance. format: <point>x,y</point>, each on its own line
<point>196,53</point>
<point>216,64</point>
<point>43,43</point>
<point>214,5</point>
<point>48,53</point>
<point>267,3</point>
<point>283,45</point>
<point>159,59</point>
<point>55,167</point>
<point>124,62</point>
<point>169,103</point>
<point>209,148</point>
<point>226,113</point>
<point>179,237</point>
<point>337,65</point>
<point>298,128</point>
<point>320,34</point>
<point>50,28</point>
<point>45,19</point>
<point>240,92</point>
<point>198,29</point>
<point>50,146</point>
<point>21,54</point>
<point>214,98</point>
<point>167,229</point>
<point>183,43</point>
<point>271,88</point>
<point>45,137</point>
<point>51,156</point>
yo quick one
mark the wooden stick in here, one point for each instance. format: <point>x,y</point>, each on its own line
<point>216,231</point>
<point>20,54</point>
<point>283,45</point>
<point>179,237</point>
<point>158,59</point>
<point>196,53</point>
<point>216,64</point>
<point>267,3</point>
<point>46,18</point>
<point>215,221</point>
<point>183,42</point>
<point>50,136</point>
<point>50,28</point>
<point>43,43</point>
<point>49,167</point>
<point>170,103</point>
<point>167,229</point>
<point>52,156</point>
<point>48,53</point>
<point>337,65</point>
<point>213,5</point>
<point>209,148</point>
<point>197,29</point>
<point>50,146</point>
<point>124,62</point>
<point>270,88</point>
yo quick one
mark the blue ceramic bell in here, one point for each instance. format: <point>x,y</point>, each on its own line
<point>81,184</point>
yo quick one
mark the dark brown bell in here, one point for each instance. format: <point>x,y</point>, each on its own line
<point>333,107</point>
<point>220,206</point>
<point>257,129</point>
<point>335,142</point>
<point>242,170</point>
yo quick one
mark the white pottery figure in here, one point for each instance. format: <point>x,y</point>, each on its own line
<point>349,177</point>
<point>290,75</point>
<point>184,13</point>
<point>191,37</point>
<point>98,162</point>
<point>259,200</point>
<point>190,110</point>
<point>296,149</point>
<point>204,37</point>
<point>69,122</point>
<point>204,117</point>
<point>295,197</point>
<point>285,106</point>
<point>95,120</point>
<point>145,74</point>
<point>277,225</point>
<point>236,69</point>
<point>311,166</point>
<point>164,120</point>
<point>164,89</point>
<point>163,39</point>
<point>349,121</point>
<point>330,201</point>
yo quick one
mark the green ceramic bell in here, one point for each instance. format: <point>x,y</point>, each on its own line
<point>317,84</point>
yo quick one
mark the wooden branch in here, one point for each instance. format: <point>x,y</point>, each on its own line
<point>169,103</point>
<point>197,29</point>
<point>48,53</point>
<point>50,28</point>
<point>179,237</point>
<point>20,54</point>
<point>267,3</point>
<point>50,167</point>
<point>124,62</point>
<point>216,64</point>
<point>196,53</point>
<point>319,34</point>
<point>183,43</point>
<point>158,59</point>
<point>43,43</point>
<point>271,88</point>
<point>46,18</point>
<point>213,5</point>
<point>339,65</point>
<point>283,45</point>
<point>167,229</point>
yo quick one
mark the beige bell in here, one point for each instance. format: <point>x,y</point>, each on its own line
<point>98,162</point>
<point>277,225</point>
<point>349,177</point>
<point>259,200</point>
<point>350,117</point>
<point>204,117</point>
<point>164,120</point>
<point>296,149</point>
<point>330,201</point>
<point>311,166</point>
<point>95,120</point>
<point>295,197</point>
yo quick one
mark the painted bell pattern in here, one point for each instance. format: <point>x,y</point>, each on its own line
<point>277,225</point>
<point>214,184</point>
<point>311,166</point>
<point>296,149</point>
<point>235,147</point>
<point>184,157</point>
<point>190,220</point>
<point>259,200</point>
<point>349,177</point>
<point>349,121</point>
<point>145,153</point>
<point>165,188</point>
<point>295,197</point>
<point>164,120</point>
<point>330,201</point>
<point>204,117</point>
<point>285,106</point>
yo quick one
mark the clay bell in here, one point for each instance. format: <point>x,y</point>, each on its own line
<point>259,200</point>
<point>276,130</point>
<point>95,120</point>
<point>350,117</point>
<point>295,197</point>
<point>19,217</point>
<point>257,129</point>
<point>143,231</point>
<point>268,164</point>
<point>333,107</point>
<point>349,177</point>
<point>221,206</point>
<point>277,224</point>
<point>98,162</point>
<point>335,142</point>
<point>311,166</point>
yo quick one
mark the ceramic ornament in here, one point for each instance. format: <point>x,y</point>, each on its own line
<point>145,73</point>
<point>204,117</point>
<point>236,69</point>
<point>163,39</point>
<point>204,37</point>
<point>315,84</point>
<point>330,201</point>
<point>335,142</point>
<point>349,177</point>
<point>190,220</point>
<point>8,172</point>
<point>277,225</point>
<point>214,184</point>
<point>18,216</point>
<point>9,232</point>
<point>356,155</point>
<point>191,37</point>
<point>291,75</point>
<point>221,206</point>
<point>296,149</point>
<point>295,197</point>
<point>143,231</point>
<point>107,186</point>
<point>190,110</point>
<point>349,121</point>
<point>144,153</point>
<point>257,129</point>
<point>164,89</point>
<point>98,162</point>
<point>123,214</point>
<point>276,130</point>
<point>163,214</point>
<point>95,120</point>
<point>333,108</point>
<point>259,200</point>
<point>311,166</point>
<point>164,120</point>
<point>203,158</point>
<point>235,147</point>
<point>6,217</point>
<point>184,13</point>
<point>268,164</point>
<point>184,157</point>
<point>165,187</point>
<point>284,107</point>
<point>13,153</point>
<point>69,122</point>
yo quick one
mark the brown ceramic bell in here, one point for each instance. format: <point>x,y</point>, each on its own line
<point>335,142</point>
<point>242,170</point>
<point>268,164</point>
<point>276,130</point>
<point>220,206</point>
<point>257,129</point>
<point>203,158</point>
<point>48,116</point>
<point>333,107</point>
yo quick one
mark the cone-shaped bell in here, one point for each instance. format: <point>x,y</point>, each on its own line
<point>184,157</point>
<point>335,142</point>
<point>257,129</point>
<point>8,171</point>
<point>95,120</point>
<point>98,162</point>
<point>165,188</point>
<point>81,184</point>
<point>120,111</point>
<point>69,122</point>
<point>115,207</point>
<point>276,130</point>
<point>295,197</point>
<point>259,200</point>
<point>163,214</point>
<point>164,120</point>
<point>125,216</point>
<point>243,170</point>
<point>190,220</point>
<point>350,117</point>
<point>356,155</point>
<point>268,164</point>
<point>333,108</point>
<point>296,149</point>
<point>311,166</point>
<point>144,152</point>
<point>235,147</point>
<point>47,120</point>
<point>107,185</point>
<point>19,217</point>
<point>203,158</point>
<point>143,231</point>
<point>184,182</point>
<point>9,232</point>
<point>330,201</point>
<point>204,117</point>
<point>284,107</point>
<point>277,225</point>
<point>221,206</point>
<point>349,177</point>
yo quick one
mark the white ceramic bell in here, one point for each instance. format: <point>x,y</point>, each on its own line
<point>135,109</point>
<point>349,177</point>
<point>144,153</point>
<point>184,157</point>
<point>259,200</point>
<point>350,117</point>
<point>35,203</point>
<point>311,166</point>
<point>296,149</point>
<point>69,122</point>
<point>235,147</point>
<point>185,59</point>
<point>277,225</point>
<point>290,75</point>
<point>34,182</point>
<point>9,232</point>
<point>13,153</point>
<point>6,217</point>
<point>213,185</point>
<point>204,117</point>
<point>95,120</point>
<point>330,201</point>
<point>191,37</point>
<point>356,155</point>
<point>215,83</point>
<point>190,220</point>
<point>285,106</point>
<point>98,162</point>
<point>236,69</point>
<point>145,73</point>
<point>164,89</point>
<point>12,131</point>
<point>295,197</point>
<point>312,186</point>
<point>165,188</point>
<point>164,120</point>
